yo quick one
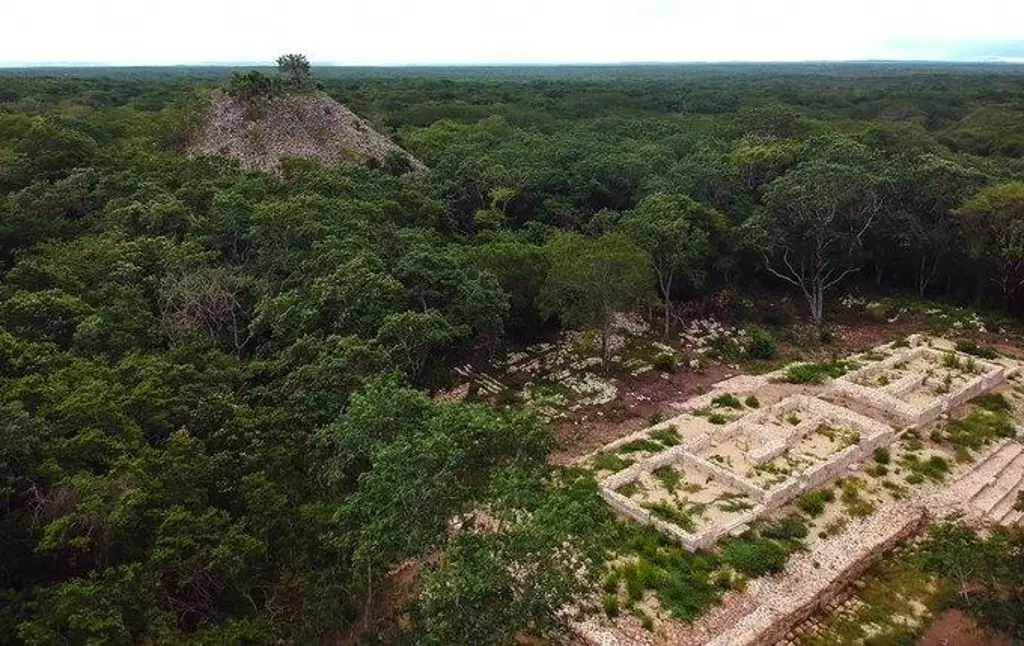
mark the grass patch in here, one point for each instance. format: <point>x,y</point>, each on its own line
<point>814,502</point>
<point>727,401</point>
<point>630,489</point>
<point>755,556</point>
<point>979,428</point>
<point>608,461</point>
<point>935,468</point>
<point>684,517</point>
<point>974,348</point>
<point>669,435</point>
<point>815,373</point>
<point>752,402</point>
<point>893,608</point>
<point>610,603</point>
<point>993,402</point>
<point>856,505</point>
<point>682,582</point>
<point>718,419</point>
<point>669,477</point>
<point>834,527</point>
<point>790,528</point>
<point>637,446</point>
<point>734,505</point>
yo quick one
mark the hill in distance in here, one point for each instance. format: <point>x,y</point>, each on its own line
<point>261,131</point>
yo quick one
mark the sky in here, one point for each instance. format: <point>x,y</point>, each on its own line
<point>427,32</point>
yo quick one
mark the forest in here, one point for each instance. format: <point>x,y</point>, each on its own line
<point>219,387</point>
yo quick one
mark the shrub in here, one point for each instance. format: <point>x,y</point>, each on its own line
<point>755,556</point>
<point>665,362</point>
<point>972,347</point>
<point>608,461</point>
<point>752,402</point>
<point>834,527</point>
<point>979,428</point>
<point>815,373</point>
<point>761,344</point>
<point>727,401</point>
<point>718,419</point>
<point>681,517</point>
<point>993,402</point>
<point>669,435</point>
<point>792,527</point>
<point>669,477</point>
<point>882,455</point>
<point>852,500</point>
<point>813,502</point>
<point>1019,505</point>
<point>610,603</point>
<point>639,445</point>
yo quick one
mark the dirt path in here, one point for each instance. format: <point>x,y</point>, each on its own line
<point>652,393</point>
<point>954,628</point>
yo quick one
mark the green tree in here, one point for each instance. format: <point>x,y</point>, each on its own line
<point>295,69</point>
<point>678,234</point>
<point>811,233</point>
<point>992,222</point>
<point>590,280</point>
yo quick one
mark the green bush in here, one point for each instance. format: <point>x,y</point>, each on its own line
<point>761,344</point>
<point>727,401</point>
<point>639,445</point>
<point>717,419</point>
<point>665,362</point>
<point>752,402</point>
<point>610,603</point>
<point>608,461</point>
<point>979,428</point>
<point>792,527</point>
<point>993,402</point>
<point>755,556</point>
<point>815,373</point>
<point>814,502</point>
<point>668,435</point>
<point>972,347</point>
<point>882,455</point>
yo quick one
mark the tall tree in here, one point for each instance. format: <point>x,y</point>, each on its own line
<point>589,280</point>
<point>992,222</point>
<point>294,68</point>
<point>678,234</point>
<point>811,233</point>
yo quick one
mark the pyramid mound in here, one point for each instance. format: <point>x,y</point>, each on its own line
<point>261,132</point>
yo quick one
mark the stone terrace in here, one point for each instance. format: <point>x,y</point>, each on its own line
<point>737,462</point>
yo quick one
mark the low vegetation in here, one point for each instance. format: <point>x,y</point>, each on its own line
<point>815,373</point>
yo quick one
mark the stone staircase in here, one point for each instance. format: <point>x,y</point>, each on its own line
<point>990,491</point>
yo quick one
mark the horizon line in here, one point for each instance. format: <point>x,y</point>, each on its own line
<point>996,60</point>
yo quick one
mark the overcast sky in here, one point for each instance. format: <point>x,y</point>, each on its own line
<point>390,32</point>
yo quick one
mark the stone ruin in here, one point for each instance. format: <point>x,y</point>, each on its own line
<point>737,463</point>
